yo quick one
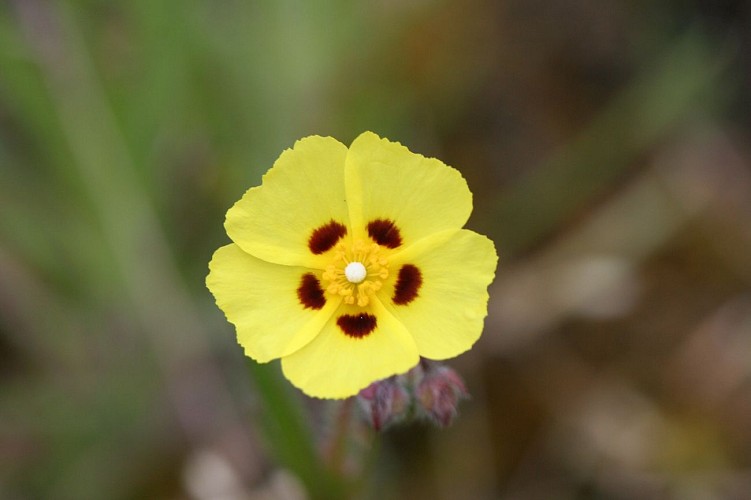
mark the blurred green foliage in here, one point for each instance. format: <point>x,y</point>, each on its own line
<point>128,128</point>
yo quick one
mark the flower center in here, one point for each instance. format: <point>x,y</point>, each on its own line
<point>356,272</point>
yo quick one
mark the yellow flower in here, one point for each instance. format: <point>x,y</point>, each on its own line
<point>350,264</point>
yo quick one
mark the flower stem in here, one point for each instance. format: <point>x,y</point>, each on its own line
<point>337,448</point>
<point>289,436</point>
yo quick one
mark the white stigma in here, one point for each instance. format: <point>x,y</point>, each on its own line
<point>355,272</point>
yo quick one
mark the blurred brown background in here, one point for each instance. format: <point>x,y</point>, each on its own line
<point>607,146</point>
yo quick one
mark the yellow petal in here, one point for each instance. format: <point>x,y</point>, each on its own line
<point>385,181</point>
<point>303,191</point>
<point>337,366</point>
<point>261,300</point>
<point>446,317</point>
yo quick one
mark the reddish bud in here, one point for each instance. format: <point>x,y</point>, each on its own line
<point>384,402</point>
<point>439,392</point>
<point>429,390</point>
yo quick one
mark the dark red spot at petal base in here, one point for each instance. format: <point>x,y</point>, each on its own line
<point>384,232</point>
<point>357,325</point>
<point>408,285</point>
<point>310,292</point>
<point>325,237</point>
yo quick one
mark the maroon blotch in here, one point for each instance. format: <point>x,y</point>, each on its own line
<point>357,325</point>
<point>384,232</point>
<point>310,292</point>
<point>325,237</point>
<point>408,285</point>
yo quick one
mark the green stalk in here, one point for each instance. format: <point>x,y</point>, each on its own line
<point>283,419</point>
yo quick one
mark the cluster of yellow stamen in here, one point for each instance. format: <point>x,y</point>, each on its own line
<point>357,290</point>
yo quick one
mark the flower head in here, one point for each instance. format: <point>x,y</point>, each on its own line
<point>351,263</point>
